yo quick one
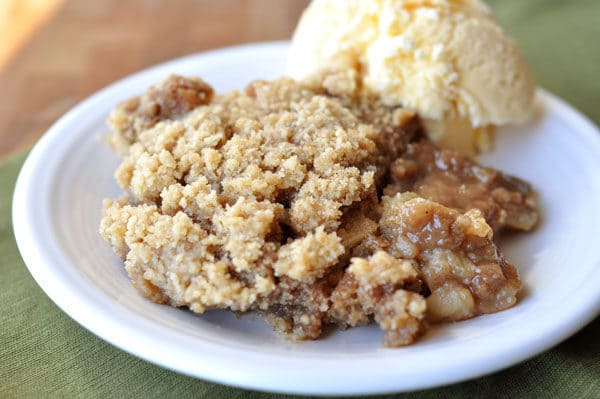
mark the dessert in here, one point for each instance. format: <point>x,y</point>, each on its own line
<point>312,203</point>
<point>448,60</point>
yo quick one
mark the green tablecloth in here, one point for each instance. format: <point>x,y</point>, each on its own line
<point>43,353</point>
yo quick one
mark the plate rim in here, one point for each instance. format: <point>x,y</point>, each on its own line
<point>39,263</point>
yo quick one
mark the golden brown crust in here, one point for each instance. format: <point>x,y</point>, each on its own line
<point>269,200</point>
<point>172,98</point>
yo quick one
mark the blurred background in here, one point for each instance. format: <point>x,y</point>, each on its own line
<point>53,53</point>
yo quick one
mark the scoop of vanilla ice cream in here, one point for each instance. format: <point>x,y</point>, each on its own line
<point>446,59</point>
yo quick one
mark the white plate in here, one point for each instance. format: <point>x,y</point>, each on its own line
<point>56,214</point>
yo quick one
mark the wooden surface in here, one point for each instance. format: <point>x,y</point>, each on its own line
<point>86,45</point>
<point>18,20</point>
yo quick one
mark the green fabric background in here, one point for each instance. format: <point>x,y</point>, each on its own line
<point>43,353</point>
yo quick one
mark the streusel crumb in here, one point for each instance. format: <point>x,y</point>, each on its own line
<point>271,200</point>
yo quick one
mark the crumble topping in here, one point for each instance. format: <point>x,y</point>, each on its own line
<point>311,203</point>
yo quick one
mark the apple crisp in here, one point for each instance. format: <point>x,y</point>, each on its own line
<point>310,203</point>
